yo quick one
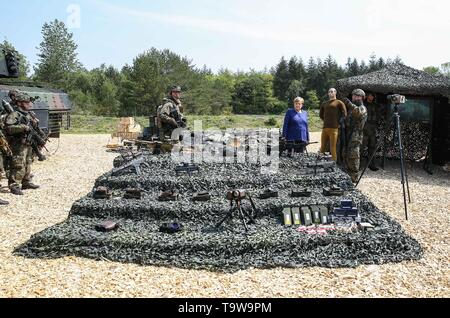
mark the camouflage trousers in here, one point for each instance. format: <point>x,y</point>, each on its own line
<point>370,139</point>
<point>352,156</point>
<point>2,167</point>
<point>165,132</point>
<point>20,164</point>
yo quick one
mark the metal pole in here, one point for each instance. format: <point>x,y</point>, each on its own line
<point>402,166</point>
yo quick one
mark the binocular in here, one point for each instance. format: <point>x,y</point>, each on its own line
<point>236,195</point>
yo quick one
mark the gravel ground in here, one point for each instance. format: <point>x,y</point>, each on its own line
<point>70,174</point>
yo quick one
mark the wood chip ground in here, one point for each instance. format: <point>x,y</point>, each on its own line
<point>70,173</point>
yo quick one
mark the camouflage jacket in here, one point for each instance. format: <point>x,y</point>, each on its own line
<point>166,110</point>
<point>14,127</point>
<point>375,113</point>
<point>356,120</point>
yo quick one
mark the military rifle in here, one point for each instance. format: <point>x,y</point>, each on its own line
<point>135,163</point>
<point>176,116</point>
<point>4,146</point>
<point>188,168</point>
<point>36,137</point>
<point>294,145</point>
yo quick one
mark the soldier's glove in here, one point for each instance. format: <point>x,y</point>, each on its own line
<point>346,101</point>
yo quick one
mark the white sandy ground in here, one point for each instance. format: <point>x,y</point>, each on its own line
<point>70,174</point>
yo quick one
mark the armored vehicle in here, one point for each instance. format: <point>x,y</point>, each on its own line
<point>52,107</point>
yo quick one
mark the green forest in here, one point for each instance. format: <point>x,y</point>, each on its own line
<point>137,89</point>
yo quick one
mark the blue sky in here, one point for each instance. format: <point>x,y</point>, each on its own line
<point>238,34</point>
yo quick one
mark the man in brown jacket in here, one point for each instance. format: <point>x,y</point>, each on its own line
<point>330,113</point>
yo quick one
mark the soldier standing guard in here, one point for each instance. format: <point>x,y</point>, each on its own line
<point>375,112</point>
<point>169,114</point>
<point>5,151</point>
<point>17,128</point>
<point>12,94</point>
<point>355,122</point>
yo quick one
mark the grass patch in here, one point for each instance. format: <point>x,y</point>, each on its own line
<point>81,124</point>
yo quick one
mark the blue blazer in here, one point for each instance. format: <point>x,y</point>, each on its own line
<point>296,126</point>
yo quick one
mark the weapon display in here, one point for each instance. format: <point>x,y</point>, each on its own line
<point>333,190</point>
<point>301,193</point>
<point>134,163</point>
<point>236,197</point>
<point>188,168</point>
<point>296,146</point>
<point>101,193</point>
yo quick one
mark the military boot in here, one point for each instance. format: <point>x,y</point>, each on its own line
<point>15,189</point>
<point>3,202</point>
<point>29,186</point>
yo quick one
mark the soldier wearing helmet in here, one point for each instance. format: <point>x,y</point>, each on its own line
<point>355,122</point>
<point>12,94</point>
<point>22,152</point>
<point>5,152</point>
<point>375,114</point>
<point>169,115</point>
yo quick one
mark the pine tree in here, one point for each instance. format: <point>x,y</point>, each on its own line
<point>57,54</point>
<point>281,79</point>
<point>373,63</point>
<point>352,67</point>
<point>312,100</point>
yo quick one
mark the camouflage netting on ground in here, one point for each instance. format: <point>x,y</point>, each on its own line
<point>229,248</point>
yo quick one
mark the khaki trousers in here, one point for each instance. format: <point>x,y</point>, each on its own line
<point>329,135</point>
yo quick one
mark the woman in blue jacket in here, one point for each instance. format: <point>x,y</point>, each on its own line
<point>295,126</point>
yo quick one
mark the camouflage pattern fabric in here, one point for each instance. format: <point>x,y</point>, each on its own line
<point>20,165</point>
<point>355,126</point>
<point>375,114</point>
<point>370,140</point>
<point>22,153</point>
<point>166,122</point>
<point>2,167</point>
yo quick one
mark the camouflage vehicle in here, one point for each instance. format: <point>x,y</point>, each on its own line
<point>52,107</point>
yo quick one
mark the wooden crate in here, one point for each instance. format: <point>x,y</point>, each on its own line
<point>128,136</point>
<point>126,121</point>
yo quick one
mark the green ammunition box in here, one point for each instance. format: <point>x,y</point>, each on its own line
<point>306,216</point>
<point>323,214</point>
<point>316,214</point>
<point>296,216</point>
<point>287,217</point>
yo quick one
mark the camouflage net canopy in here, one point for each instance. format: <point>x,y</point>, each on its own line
<point>415,139</point>
<point>417,133</point>
<point>229,248</point>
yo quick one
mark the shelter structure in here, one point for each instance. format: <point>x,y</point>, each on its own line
<point>425,116</point>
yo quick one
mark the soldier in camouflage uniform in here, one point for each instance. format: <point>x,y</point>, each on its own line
<point>4,152</point>
<point>169,114</point>
<point>22,153</point>
<point>13,95</point>
<point>375,114</point>
<point>355,122</point>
